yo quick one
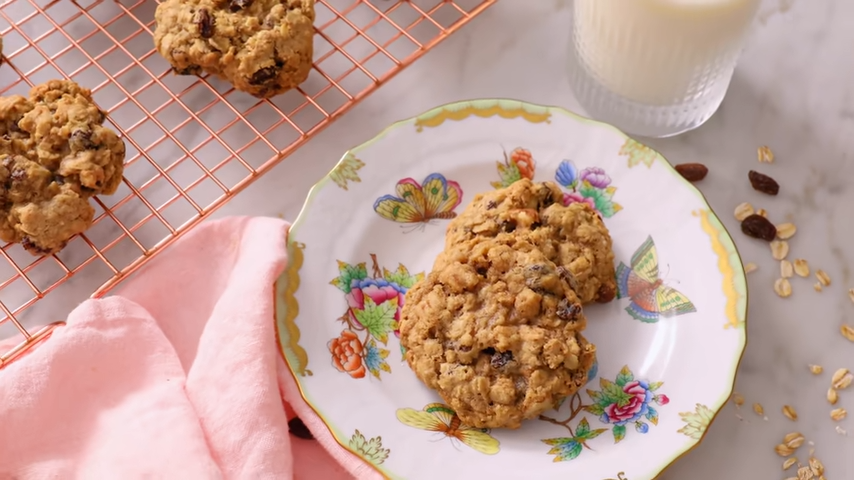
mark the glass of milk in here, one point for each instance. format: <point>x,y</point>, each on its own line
<point>656,68</point>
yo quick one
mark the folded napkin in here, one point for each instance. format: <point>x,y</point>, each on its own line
<point>177,375</point>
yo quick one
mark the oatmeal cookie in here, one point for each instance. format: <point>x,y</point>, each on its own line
<point>262,47</point>
<point>55,154</point>
<point>573,237</point>
<point>496,332</point>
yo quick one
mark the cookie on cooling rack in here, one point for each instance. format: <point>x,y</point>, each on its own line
<point>572,236</point>
<point>496,332</point>
<point>262,47</point>
<point>55,154</point>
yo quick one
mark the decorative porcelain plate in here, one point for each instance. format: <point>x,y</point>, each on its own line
<point>668,346</point>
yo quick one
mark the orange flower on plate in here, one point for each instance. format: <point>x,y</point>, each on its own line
<point>524,162</point>
<point>347,354</point>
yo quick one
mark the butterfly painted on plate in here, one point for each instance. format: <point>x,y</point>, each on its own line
<point>434,198</point>
<point>440,418</point>
<point>650,297</point>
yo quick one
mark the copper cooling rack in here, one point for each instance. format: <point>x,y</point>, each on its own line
<point>192,143</point>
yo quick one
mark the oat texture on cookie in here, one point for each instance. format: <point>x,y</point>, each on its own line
<point>262,47</point>
<point>55,153</point>
<point>573,237</point>
<point>495,330</point>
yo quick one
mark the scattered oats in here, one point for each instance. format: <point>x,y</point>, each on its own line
<point>737,399</point>
<point>786,230</point>
<point>822,277</point>
<point>838,414</point>
<point>847,331</point>
<point>804,473</point>
<point>786,270</point>
<point>792,478</point>
<point>758,409</point>
<point>750,267</point>
<point>816,466</point>
<point>762,212</point>
<point>782,287</point>
<point>790,412</point>
<point>743,210</point>
<point>841,379</point>
<point>816,369</point>
<point>802,268</point>
<point>787,464</point>
<point>783,450</point>
<point>841,430</point>
<point>817,286</point>
<point>851,294</point>
<point>765,155</point>
<point>832,396</point>
<point>779,249</point>
<point>793,440</point>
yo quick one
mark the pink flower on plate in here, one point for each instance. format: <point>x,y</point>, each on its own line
<point>377,289</point>
<point>575,197</point>
<point>634,409</point>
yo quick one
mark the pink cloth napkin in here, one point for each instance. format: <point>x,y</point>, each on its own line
<point>176,376</point>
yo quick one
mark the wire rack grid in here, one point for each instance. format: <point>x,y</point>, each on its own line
<point>192,143</point>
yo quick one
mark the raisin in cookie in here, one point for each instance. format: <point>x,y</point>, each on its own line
<point>496,332</point>
<point>55,154</point>
<point>573,237</point>
<point>262,47</point>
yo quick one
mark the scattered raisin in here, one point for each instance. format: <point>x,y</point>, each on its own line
<point>763,183</point>
<point>693,172</point>
<point>501,359</point>
<point>488,351</point>
<point>757,226</point>
<point>508,226</point>
<point>491,204</point>
<point>481,271</point>
<point>606,293</point>
<point>205,23</point>
<point>568,311</point>
<point>238,5</point>
<point>59,179</point>
<point>536,225</point>
<point>82,140</point>
<point>264,75</point>
<point>298,429</point>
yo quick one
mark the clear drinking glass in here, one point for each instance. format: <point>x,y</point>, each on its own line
<point>656,68</point>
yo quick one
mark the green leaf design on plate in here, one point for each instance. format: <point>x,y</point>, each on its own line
<point>402,277</point>
<point>653,386</point>
<point>378,319</point>
<point>625,376</point>
<point>371,450</point>
<point>347,273</point>
<point>601,198</point>
<point>613,393</point>
<point>619,432</point>
<point>564,449</point>
<point>583,432</point>
<point>347,170</point>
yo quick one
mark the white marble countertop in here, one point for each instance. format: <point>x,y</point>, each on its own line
<point>793,91</point>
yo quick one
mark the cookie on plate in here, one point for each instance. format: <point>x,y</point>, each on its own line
<point>55,153</point>
<point>496,332</point>
<point>573,237</point>
<point>262,47</point>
